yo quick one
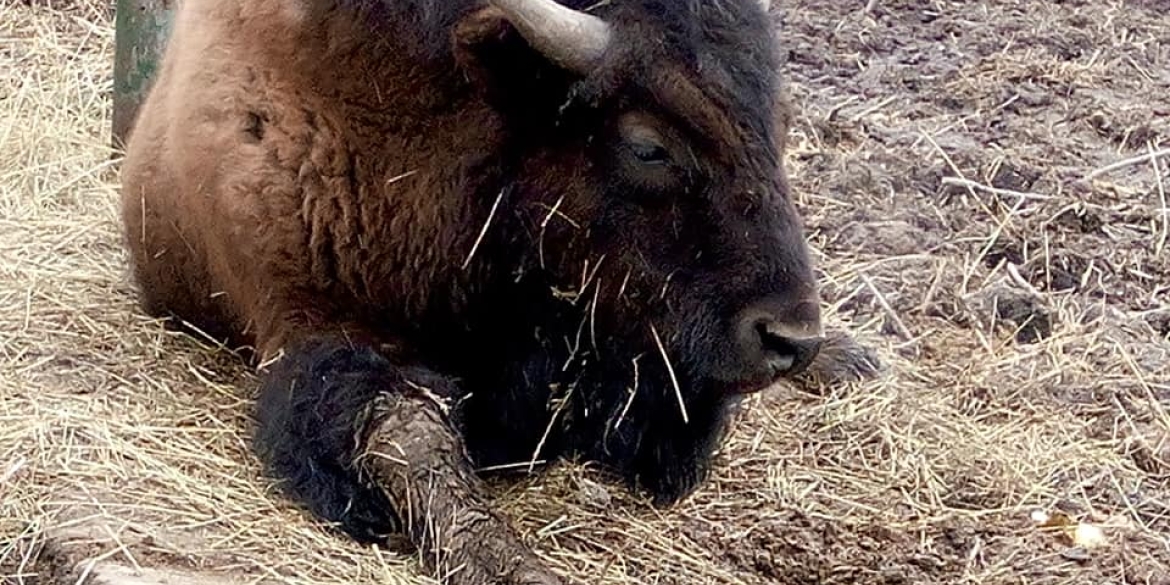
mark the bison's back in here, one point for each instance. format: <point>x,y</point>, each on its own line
<point>223,150</point>
<point>285,162</point>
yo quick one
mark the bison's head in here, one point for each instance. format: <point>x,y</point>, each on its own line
<point>645,140</point>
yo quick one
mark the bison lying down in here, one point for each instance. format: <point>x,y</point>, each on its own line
<point>461,234</point>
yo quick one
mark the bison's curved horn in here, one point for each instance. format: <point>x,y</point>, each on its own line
<point>766,5</point>
<point>574,40</point>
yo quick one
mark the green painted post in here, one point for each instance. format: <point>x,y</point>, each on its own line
<point>141,28</point>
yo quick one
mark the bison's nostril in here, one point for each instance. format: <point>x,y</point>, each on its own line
<point>786,352</point>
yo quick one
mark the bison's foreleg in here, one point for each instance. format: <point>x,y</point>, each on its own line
<point>370,444</point>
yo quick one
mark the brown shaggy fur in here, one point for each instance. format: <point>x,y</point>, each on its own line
<point>446,240</point>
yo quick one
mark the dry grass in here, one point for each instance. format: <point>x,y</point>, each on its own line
<point>1022,312</point>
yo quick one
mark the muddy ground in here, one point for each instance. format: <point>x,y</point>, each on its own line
<point>985,186</point>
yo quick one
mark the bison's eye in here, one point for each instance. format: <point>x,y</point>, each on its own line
<point>650,153</point>
<point>646,159</point>
<point>643,142</point>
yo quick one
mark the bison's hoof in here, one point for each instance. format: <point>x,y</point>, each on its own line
<point>537,578</point>
<point>842,359</point>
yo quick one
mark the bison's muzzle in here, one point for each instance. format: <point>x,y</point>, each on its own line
<point>777,341</point>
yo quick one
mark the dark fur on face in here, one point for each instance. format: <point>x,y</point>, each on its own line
<point>672,247</point>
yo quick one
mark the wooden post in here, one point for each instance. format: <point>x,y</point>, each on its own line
<point>141,29</point>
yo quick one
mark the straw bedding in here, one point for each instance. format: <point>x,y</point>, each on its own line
<point>986,188</point>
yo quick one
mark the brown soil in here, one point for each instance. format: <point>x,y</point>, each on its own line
<point>962,169</point>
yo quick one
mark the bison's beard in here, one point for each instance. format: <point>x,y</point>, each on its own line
<point>584,377</point>
<point>645,438</point>
<point>615,405</point>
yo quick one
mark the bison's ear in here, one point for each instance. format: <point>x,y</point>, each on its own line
<point>500,63</point>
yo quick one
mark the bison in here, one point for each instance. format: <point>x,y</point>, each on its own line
<point>459,235</point>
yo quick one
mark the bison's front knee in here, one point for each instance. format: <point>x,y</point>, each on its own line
<point>370,444</point>
<point>311,407</point>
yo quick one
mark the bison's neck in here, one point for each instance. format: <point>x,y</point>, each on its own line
<point>380,54</point>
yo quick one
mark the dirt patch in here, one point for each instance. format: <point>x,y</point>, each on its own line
<point>985,187</point>
<point>149,550</point>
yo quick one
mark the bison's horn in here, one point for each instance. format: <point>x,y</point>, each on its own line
<point>766,5</point>
<point>572,39</point>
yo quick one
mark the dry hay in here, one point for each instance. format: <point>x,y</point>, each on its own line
<point>944,155</point>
